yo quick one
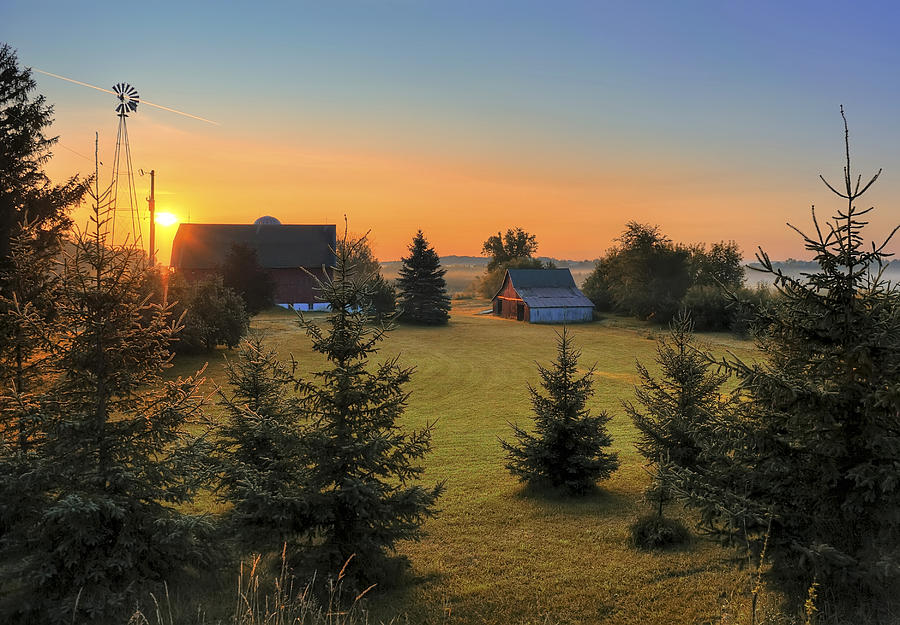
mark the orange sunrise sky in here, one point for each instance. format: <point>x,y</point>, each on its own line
<point>566,119</point>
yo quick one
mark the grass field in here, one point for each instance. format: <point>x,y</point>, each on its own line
<point>496,554</point>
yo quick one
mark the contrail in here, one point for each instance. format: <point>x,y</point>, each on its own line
<point>140,100</point>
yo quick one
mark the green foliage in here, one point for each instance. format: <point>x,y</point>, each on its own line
<point>567,449</point>
<point>109,460</point>
<point>675,409</point>
<point>657,532</point>
<point>423,291</point>
<point>26,194</point>
<point>33,216</point>
<point>710,308</point>
<point>242,273</point>
<point>815,444</point>
<point>211,314</point>
<point>26,303</point>
<point>380,296</point>
<point>513,250</point>
<point>645,275</point>
<point>383,299</point>
<point>258,452</point>
<point>361,465</point>
<point>648,276</point>
<point>721,265</point>
<point>514,245</point>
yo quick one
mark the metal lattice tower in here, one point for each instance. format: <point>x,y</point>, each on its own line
<point>123,194</point>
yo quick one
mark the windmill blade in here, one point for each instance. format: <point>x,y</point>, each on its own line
<point>145,102</point>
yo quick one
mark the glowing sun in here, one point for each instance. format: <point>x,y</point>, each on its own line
<point>166,219</point>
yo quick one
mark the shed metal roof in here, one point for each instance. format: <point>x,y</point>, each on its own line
<point>547,288</point>
<point>204,246</point>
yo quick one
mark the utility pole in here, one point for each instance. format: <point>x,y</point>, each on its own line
<point>152,203</point>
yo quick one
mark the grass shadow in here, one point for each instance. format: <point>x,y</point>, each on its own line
<point>595,501</point>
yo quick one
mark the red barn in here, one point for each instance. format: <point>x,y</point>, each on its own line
<point>542,296</point>
<point>287,251</point>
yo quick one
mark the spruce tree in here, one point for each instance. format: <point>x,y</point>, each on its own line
<point>423,291</point>
<point>26,194</point>
<point>815,447</point>
<point>362,467</point>
<point>674,408</point>
<point>567,449</point>
<point>257,454</point>
<point>110,460</point>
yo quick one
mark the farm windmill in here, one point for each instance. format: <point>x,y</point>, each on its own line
<point>128,103</point>
<point>128,100</point>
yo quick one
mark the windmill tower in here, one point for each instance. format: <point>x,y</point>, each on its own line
<point>123,196</point>
<point>122,192</point>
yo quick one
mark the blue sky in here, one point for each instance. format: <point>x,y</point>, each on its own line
<point>711,119</point>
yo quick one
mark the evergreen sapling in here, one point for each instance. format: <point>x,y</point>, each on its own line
<point>814,450</point>
<point>362,467</point>
<point>672,415</point>
<point>257,453</point>
<point>568,447</point>
<point>423,291</point>
<point>111,459</point>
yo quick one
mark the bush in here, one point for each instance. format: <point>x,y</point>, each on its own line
<point>709,308</point>
<point>750,300</point>
<point>211,314</point>
<point>657,532</point>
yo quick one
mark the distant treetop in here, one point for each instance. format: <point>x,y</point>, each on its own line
<point>267,220</point>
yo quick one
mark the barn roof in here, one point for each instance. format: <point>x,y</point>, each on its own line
<point>547,288</point>
<point>204,246</point>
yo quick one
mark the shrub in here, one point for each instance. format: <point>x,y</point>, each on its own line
<point>709,307</point>
<point>211,314</point>
<point>657,532</point>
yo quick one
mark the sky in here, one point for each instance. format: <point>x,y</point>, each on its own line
<point>712,120</point>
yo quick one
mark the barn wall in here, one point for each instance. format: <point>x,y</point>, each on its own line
<point>292,286</point>
<point>506,302</point>
<point>561,315</point>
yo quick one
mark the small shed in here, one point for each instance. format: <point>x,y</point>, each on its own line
<point>542,296</point>
<point>295,255</point>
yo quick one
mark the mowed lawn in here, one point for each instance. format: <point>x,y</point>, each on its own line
<point>495,554</point>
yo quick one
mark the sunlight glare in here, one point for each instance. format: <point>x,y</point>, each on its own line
<point>166,219</point>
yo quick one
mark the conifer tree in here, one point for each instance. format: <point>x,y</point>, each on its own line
<point>674,408</point>
<point>423,291</point>
<point>257,455</point>
<point>26,194</point>
<point>110,460</point>
<point>567,449</point>
<point>815,448</point>
<point>362,467</point>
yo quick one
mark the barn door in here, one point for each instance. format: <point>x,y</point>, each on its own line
<point>520,312</point>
